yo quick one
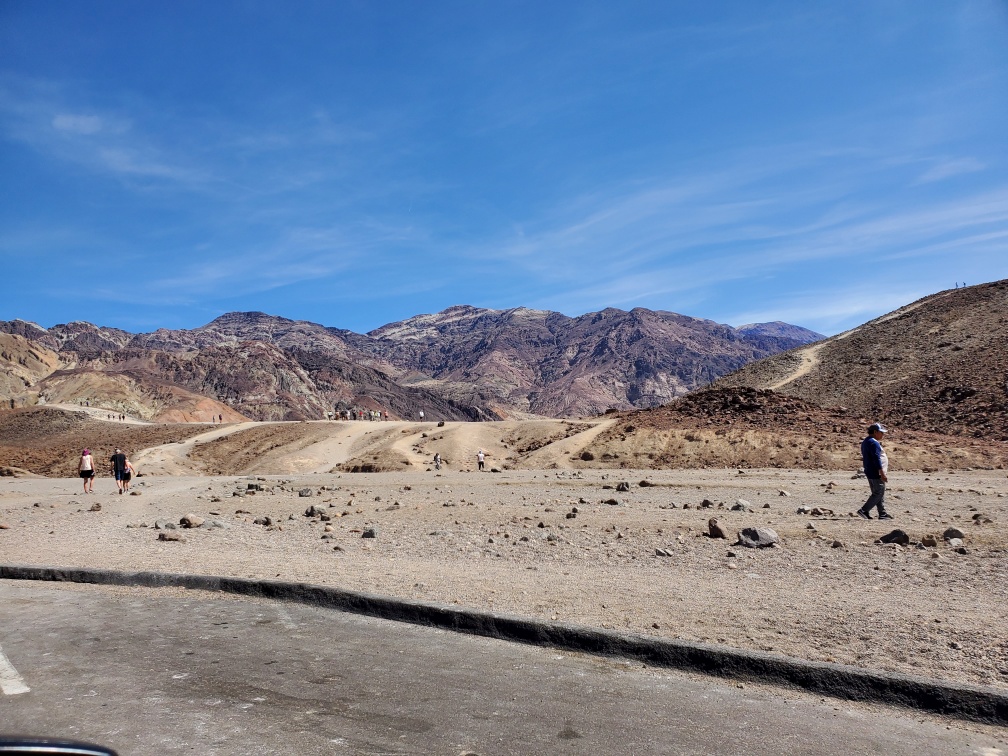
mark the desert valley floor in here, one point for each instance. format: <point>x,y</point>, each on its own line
<point>565,544</point>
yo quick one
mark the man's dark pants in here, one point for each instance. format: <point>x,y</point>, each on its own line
<point>877,498</point>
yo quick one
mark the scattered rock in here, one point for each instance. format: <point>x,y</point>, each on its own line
<point>895,536</point>
<point>758,538</point>
<point>369,533</point>
<point>961,550</point>
<point>837,545</point>
<point>715,529</point>
<point>645,484</point>
<point>4,526</point>
<point>741,505</point>
<point>136,493</point>
<point>623,487</point>
<point>782,492</point>
<point>96,507</point>
<point>611,502</point>
<point>951,533</point>
<point>662,552</point>
<point>191,521</point>
<point>929,541</point>
<point>587,456</point>
<point>170,535</point>
<point>305,492</point>
<point>955,543</point>
<point>264,520</point>
<point>706,504</point>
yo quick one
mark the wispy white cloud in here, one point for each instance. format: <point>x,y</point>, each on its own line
<point>78,124</point>
<point>948,168</point>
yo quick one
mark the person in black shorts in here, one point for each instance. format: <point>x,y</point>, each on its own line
<point>85,468</point>
<point>118,461</point>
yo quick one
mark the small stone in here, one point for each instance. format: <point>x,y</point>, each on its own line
<point>96,507</point>
<point>4,526</point>
<point>136,493</point>
<point>929,541</point>
<point>715,529</point>
<point>961,550</point>
<point>170,535</point>
<point>782,492</point>
<point>645,484</point>
<point>741,505</point>
<point>955,543</point>
<point>611,502</point>
<point>623,487</point>
<point>837,545</point>
<point>370,533</point>
<point>264,520</point>
<point>951,533</point>
<point>305,492</point>
<point>191,521</point>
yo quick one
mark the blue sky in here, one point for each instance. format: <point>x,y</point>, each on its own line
<point>356,163</point>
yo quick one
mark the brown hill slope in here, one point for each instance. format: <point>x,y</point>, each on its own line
<point>23,363</point>
<point>939,364</point>
<point>744,427</point>
<point>48,441</point>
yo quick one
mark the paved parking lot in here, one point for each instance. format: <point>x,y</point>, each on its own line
<point>172,672</point>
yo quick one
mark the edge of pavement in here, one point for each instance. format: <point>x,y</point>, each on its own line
<point>968,702</point>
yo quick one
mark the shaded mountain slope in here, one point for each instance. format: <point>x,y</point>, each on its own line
<point>939,364</point>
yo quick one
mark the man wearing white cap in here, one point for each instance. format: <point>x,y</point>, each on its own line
<point>876,467</point>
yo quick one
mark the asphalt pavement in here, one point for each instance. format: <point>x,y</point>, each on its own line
<point>174,671</point>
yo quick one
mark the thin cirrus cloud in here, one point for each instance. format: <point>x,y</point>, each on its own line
<point>949,168</point>
<point>78,124</point>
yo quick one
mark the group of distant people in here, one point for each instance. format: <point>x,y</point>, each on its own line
<point>361,414</point>
<point>120,466</point>
<point>480,459</point>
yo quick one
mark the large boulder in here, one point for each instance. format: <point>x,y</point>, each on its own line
<point>895,536</point>
<point>758,538</point>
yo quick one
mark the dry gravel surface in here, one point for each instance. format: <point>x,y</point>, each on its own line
<point>566,545</point>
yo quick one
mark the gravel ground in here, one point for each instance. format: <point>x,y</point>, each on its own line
<point>505,542</point>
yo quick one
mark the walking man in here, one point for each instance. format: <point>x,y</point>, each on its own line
<point>119,468</point>
<point>876,467</point>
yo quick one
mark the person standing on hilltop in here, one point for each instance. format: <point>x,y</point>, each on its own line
<point>118,461</point>
<point>876,469</point>
<point>85,468</point>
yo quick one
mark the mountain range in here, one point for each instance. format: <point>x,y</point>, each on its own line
<point>464,363</point>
